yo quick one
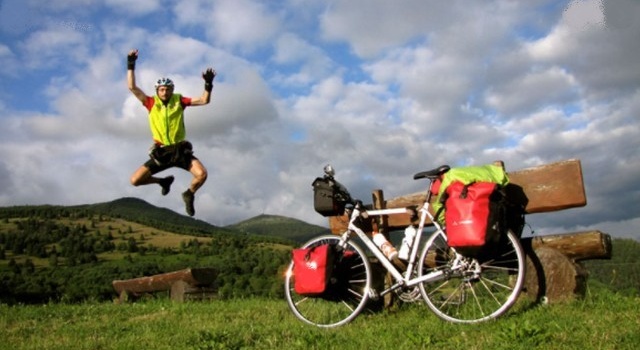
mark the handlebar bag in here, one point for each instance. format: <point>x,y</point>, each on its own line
<point>312,268</point>
<point>473,214</point>
<point>327,199</point>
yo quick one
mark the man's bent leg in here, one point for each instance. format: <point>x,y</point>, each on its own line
<point>199,173</point>
<point>143,176</point>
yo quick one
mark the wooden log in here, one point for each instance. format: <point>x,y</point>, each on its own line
<point>552,277</point>
<point>554,272</point>
<point>182,291</point>
<point>576,246</point>
<point>545,188</point>
<point>148,284</point>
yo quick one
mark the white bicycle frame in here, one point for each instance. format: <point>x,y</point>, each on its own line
<point>401,280</point>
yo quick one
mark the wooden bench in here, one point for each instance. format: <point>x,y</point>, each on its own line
<point>187,284</point>
<point>554,272</point>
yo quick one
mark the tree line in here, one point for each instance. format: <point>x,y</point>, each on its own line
<point>43,259</point>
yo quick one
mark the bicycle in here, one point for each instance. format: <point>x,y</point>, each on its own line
<point>457,288</point>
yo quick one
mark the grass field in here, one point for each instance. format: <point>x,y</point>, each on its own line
<point>603,320</point>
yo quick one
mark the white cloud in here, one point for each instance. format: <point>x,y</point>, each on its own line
<point>54,46</point>
<point>245,25</point>
<point>370,27</point>
<point>314,64</point>
<point>5,51</point>
<point>381,91</point>
<point>134,8</point>
<point>527,92</point>
<point>580,15</point>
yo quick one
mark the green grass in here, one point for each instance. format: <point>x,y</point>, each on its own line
<point>603,320</point>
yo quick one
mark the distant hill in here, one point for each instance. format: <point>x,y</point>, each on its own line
<point>130,209</point>
<point>279,226</point>
<point>141,212</point>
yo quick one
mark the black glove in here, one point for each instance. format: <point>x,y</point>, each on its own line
<point>131,59</point>
<point>208,76</point>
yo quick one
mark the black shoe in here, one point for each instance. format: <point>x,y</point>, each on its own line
<point>166,185</point>
<point>187,197</point>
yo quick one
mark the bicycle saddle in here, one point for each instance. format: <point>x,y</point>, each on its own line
<point>433,173</point>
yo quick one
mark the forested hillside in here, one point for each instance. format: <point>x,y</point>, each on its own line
<point>73,253</point>
<point>129,209</point>
<point>280,226</point>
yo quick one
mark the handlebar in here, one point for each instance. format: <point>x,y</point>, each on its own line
<point>331,197</point>
<point>343,195</point>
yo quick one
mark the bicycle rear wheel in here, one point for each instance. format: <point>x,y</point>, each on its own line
<point>472,290</point>
<point>347,293</point>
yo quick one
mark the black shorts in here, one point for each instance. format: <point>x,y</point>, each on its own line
<point>179,155</point>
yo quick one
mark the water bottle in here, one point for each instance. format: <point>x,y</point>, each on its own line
<point>385,246</point>
<point>407,241</point>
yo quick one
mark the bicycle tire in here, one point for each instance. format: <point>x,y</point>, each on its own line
<point>472,294</point>
<point>349,291</point>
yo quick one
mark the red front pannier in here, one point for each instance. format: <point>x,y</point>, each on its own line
<point>470,214</point>
<point>312,269</point>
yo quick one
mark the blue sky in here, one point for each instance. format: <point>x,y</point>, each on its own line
<point>379,89</point>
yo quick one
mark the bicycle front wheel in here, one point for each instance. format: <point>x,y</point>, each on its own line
<point>472,289</point>
<point>347,293</point>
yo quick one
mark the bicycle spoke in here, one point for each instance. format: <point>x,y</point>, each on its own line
<point>459,292</point>
<point>353,292</point>
<point>499,268</point>
<point>301,301</point>
<point>477,300</point>
<point>347,305</point>
<point>495,283</point>
<point>491,293</point>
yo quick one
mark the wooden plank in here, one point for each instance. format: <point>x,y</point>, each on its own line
<point>338,224</point>
<point>378,203</point>
<point>552,187</point>
<point>396,222</point>
<point>546,188</point>
<point>195,277</point>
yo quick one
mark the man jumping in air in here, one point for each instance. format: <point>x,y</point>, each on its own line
<point>166,119</point>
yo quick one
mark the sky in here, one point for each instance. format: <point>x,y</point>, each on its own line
<point>379,89</point>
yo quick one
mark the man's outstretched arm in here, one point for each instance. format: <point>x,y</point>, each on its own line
<point>131,77</point>
<point>208,76</point>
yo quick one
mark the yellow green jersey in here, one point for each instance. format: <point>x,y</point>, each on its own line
<point>166,120</point>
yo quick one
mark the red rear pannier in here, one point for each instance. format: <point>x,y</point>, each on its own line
<point>468,214</point>
<point>312,269</point>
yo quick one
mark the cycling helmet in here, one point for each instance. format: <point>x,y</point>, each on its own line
<point>164,82</point>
